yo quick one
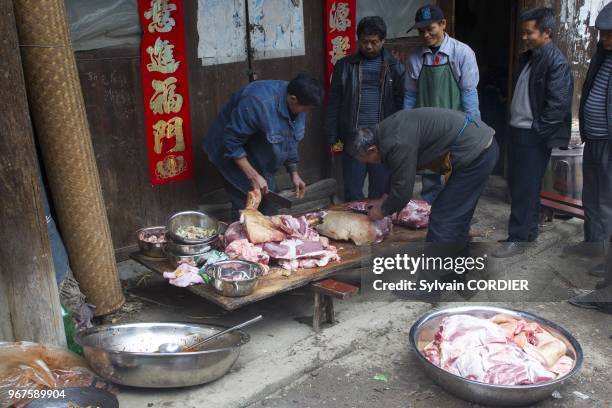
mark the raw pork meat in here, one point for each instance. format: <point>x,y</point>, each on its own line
<point>343,225</point>
<point>414,215</point>
<point>234,232</point>
<point>185,275</point>
<point>243,249</point>
<point>295,253</point>
<point>482,350</point>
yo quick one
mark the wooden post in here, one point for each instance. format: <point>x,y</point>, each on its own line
<point>29,300</point>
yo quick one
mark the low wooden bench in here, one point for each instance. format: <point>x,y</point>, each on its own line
<point>552,203</point>
<point>325,292</point>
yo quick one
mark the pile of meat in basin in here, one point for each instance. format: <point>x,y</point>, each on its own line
<point>502,350</point>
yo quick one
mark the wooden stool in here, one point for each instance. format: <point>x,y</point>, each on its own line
<point>324,293</point>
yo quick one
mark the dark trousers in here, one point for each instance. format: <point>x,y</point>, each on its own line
<point>597,190</point>
<point>528,157</point>
<point>238,200</point>
<point>454,207</point>
<point>432,185</point>
<point>354,173</point>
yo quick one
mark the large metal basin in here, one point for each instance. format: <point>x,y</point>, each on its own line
<point>422,332</point>
<point>127,354</point>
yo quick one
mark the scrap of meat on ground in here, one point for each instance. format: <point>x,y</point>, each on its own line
<point>343,225</point>
<point>485,350</point>
<point>414,215</point>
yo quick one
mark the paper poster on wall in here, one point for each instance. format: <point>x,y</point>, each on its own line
<point>221,31</point>
<point>277,28</point>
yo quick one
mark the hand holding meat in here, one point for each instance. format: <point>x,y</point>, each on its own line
<point>300,186</point>
<point>375,211</point>
<point>259,183</point>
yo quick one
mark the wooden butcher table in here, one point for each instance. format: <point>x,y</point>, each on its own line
<point>274,283</point>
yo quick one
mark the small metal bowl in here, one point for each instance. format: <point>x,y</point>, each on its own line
<point>231,287</point>
<point>195,260</point>
<point>192,218</point>
<point>150,249</point>
<point>423,330</point>
<point>180,249</point>
<point>127,354</point>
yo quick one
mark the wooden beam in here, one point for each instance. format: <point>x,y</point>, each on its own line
<point>28,294</point>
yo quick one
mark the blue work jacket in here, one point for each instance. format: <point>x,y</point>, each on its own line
<point>256,124</point>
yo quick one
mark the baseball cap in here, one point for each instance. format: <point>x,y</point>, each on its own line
<point>426,15</point>
<point>604,19</point>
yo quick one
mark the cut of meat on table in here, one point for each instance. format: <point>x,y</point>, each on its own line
<point>414,215</point>
<point>243,249</point>
<point>259,228</point>
<point>293,254</point>
<point>485,350</point>
<point>234,232</point>
<point>344,225</point>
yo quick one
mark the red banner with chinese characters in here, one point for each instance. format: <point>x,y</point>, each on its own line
<point>165,89</point>
<point>340,37</point>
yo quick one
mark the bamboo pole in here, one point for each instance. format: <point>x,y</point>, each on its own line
<point>60,121</point>
<point>29,300</point>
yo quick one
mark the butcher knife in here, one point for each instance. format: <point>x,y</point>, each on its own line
<point>279,200</point>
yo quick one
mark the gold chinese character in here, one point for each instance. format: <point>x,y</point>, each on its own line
<point>162,59</point>
<point>172,129</point>
<point>159,14</point>
<point>170,166</point>
<point>165,100</point>
<point>340,46</point>
<point>338,17</point>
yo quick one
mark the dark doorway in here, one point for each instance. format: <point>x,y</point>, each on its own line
<point>487,27</point>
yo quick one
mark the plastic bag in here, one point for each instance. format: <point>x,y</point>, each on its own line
<point>33,366</point>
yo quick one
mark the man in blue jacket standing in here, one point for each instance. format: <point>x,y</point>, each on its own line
<point>258,131</point>
<point>442,73</point>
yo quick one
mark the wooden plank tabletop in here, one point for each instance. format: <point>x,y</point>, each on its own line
<point>274,283</point>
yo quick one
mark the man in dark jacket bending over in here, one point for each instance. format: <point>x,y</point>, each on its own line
<point>448,142</point>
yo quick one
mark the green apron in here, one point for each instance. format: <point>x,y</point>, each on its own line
<point>437,88</point>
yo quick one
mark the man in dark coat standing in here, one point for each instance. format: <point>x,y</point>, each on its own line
<point>596,132</point>
<point>366,87</point>
<point>541,117</point>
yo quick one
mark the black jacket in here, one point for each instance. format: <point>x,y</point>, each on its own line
<point>551,88</point>
<point>596,62</point>
<point>344,96</point>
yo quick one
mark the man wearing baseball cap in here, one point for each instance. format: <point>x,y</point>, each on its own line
<point>596,131</point>
<point>442,73</point>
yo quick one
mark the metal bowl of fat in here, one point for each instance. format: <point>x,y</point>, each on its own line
<point>423,330</point>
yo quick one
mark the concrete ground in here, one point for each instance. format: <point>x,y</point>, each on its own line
<point>287,365</point>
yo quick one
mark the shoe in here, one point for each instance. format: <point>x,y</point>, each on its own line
<point>598,271</point>
<point>508,249</point>
<point>600,299</point>
<point>586,249</point>
<point>602,285</point>
<point>578,302</point>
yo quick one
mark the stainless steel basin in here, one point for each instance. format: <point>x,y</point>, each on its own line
<point>127,354</point>
<point>422,332</point>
